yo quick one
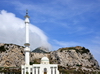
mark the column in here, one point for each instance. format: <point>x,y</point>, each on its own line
<point>51,70</point>
<point>38,70</point>
<point>55,70</point>
<point>22,70</point>
<point>34,70</point>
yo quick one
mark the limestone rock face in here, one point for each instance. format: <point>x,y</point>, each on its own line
<point>41,50</point>
<point>74,57</point>
<point>12,55</point>
<point>37,56</point>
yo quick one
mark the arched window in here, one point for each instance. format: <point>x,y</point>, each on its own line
<point>45,69</point>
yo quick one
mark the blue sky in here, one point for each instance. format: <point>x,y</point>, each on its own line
<point>65,23</point>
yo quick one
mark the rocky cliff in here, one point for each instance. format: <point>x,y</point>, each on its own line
<point>12,55</point>
<point>74,57</point>
<point>41,50</point>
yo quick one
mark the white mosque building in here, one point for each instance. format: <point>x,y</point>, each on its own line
<point>44,67</point>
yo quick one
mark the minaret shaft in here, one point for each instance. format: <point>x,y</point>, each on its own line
<point>27,49</point>
<point>27,60</point>
<point>27,33</point>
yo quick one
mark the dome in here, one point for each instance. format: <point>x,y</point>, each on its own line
<point>44,60</point>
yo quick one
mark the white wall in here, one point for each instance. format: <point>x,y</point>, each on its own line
<point>41,67</point>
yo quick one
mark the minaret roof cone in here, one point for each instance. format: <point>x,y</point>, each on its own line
<point>27,17</point>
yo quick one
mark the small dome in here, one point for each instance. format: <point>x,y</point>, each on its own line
<point>44,59</point>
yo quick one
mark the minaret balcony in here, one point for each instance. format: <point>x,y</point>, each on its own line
<point>27,44</point>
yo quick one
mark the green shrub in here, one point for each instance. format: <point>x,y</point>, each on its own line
<point>2,49</point>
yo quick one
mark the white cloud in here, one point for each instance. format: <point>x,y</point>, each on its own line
<point>65,44</point>
<point>12,30</point>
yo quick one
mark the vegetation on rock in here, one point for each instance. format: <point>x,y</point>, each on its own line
<point>81,50</point>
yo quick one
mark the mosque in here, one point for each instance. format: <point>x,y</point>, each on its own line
<point>44,67</point>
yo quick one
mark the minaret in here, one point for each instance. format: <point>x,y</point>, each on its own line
<point>27,49</point>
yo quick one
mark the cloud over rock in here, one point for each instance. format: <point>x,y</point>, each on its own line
<point>12,30</point>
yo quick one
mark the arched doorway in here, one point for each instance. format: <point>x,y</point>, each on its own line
<point>45,70</point>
